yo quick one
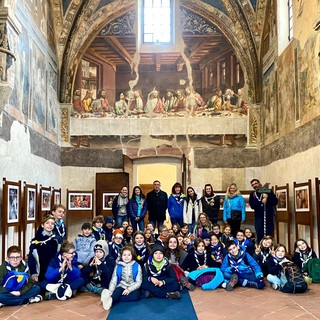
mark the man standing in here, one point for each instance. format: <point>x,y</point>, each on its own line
<point>157,202</point>
<point>263,201</point>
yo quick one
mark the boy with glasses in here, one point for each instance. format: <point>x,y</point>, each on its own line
<point>63,269</point>
<point>17,287</point>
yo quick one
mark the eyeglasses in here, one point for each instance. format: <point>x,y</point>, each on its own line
<point>73,252</point>
<point>119,238</point>
<point>15,258</point>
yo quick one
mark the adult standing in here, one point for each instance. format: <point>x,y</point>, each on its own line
<point>119,206</point>
<point>175,204</point>
<point>137,208</point>
<point>262,201</point>
<point>157,201</point>
<point>234,208</point>
<point>191,209</point>
<point>210,203</point>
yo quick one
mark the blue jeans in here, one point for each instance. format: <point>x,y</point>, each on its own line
<point>178,221</point>
<point>9,299</point>
<point>191,227</point>
<point>135,224</point>
<point>118,297</point>
<point>120,219</point>
<point>241,277</point>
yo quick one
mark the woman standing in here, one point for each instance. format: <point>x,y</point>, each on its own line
<point>210,203</point>
<point>191,209</point>
<point>175,204</point>
<point>119,206</point>
<point>137,209</point>
<point>234,211</point>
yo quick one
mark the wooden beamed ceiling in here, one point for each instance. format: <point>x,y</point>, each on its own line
<point>119,51</point>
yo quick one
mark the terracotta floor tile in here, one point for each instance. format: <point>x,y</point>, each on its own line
<point>239,304</point>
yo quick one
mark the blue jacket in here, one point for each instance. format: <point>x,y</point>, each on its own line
<point>175,208</point>
<point>235,203</point>
<point>133,208</point>
<point>245,264</point>
<point>53,275</point>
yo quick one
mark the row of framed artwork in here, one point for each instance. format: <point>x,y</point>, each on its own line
<point>23,204</point>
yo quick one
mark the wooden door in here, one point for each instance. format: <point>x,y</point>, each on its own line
<point>107,186</point>
<point>145,189</point>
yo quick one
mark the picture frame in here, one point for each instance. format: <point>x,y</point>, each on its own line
<point>80,200</point>
<point>281,194</point>
<point>31,204</point>
<point>45,198</point>
<point>13,204</point>
<point>301,198</point>
<point>56,196</point>
<point>222,195</point>
<point>107,200</point>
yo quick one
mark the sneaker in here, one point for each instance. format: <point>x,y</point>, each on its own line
<point>49,296</point>
<point>275,286</point>
<point>2,305</point>
<point>92,288</point>
<point>232,282</point>
<point>260,283</point>
<point>173,295</point>
<point>83,289</point>
<point>106,299</point>
<point>186,284</point>
<point>36,299</point>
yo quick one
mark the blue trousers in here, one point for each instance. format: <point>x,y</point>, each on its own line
<point>178,221</point>
<point>120,219</point>
<point>160,292</point>
<point>135,224</point>
<point>250,277</point>
<point>9,299</point>
<point>118,297</point>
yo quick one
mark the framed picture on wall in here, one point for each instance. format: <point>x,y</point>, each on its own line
<point>282,200</point>
<point>221,195</point>
<point>31,203</point>
<point>79,201</point>
<point>45,200</point>
<point>56,197</point>
<point>13,204</point>
<point>107,200</point>
<point>301,198</point>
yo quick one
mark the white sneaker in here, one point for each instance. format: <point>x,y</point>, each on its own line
<point>36,299</point>
<point>106,299</point>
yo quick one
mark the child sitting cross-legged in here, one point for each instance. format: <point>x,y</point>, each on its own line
<point>238,267</point>
<point>159,278</point>
<point>63,277</point>
<point>97,274</point>
<point>17,287</point>
<point>125,282</point>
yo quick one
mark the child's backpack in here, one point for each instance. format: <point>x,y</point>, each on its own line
<point>313,269</point>
<point>295,279</point>
<point>14,280</point>
<point>135,269</point>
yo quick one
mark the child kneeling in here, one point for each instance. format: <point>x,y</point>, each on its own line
<point>126,280</point>
<point>238,267</point>
<point>159,278</point>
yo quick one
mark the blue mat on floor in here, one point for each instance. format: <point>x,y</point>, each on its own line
<point>155,308</point>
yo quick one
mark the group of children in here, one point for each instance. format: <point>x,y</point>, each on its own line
<point>121,265</point>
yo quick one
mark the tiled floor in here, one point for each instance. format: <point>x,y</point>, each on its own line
<point>241,303</point>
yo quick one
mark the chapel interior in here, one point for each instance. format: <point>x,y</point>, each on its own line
<point>84,104</point>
